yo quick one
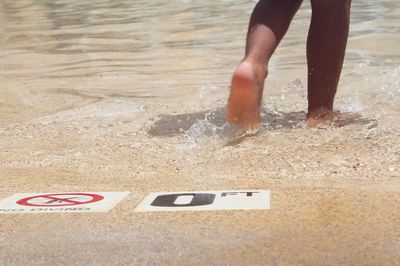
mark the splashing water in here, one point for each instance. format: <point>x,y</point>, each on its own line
<point>208,131</point>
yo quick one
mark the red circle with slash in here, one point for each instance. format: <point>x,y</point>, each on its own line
<point>59,199</point>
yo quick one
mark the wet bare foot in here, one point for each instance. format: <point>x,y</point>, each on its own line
<point>245,97</point>
<point>335,118</point>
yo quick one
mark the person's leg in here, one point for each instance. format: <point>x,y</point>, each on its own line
<point>326,47</point>
<point>268,24</point>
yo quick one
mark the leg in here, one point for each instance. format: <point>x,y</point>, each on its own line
<point>326,47</point>
<point>268,24</point>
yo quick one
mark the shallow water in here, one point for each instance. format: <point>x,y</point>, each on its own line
<point>163,67</point>
<point>176,57</point>
<point>162,47</point>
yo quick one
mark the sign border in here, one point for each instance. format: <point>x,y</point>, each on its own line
<point>145,204</point>
<point>110,200</point>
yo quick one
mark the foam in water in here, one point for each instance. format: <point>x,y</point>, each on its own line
<point>350,104</point>
<point>207,90</point>
<point>390,88</point>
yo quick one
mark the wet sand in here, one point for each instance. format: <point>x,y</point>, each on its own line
<point>110,119</point>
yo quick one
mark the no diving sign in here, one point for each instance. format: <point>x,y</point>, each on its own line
<point>61,202</point>
<point>60,199</point>
<point>205,201</point>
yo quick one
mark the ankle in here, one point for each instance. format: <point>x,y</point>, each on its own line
<point>259,69</point>
<point>319,112</point>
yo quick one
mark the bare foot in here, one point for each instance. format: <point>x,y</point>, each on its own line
<point>326,116</point>
<point>245,97</point>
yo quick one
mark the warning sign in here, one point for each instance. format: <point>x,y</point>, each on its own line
<point>61,202</point>
<point>205,201</point>
<point>57,200</point>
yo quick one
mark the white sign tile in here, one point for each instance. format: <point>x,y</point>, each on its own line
<point>205,201</point>
<point>61,202</point>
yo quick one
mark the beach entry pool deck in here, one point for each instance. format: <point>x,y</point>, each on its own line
<point>129,96</point>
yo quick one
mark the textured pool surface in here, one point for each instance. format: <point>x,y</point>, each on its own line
<point>130,96</point>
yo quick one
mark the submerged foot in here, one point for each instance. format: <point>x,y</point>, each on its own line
<point>326,116</point>
<point>245,97</point>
